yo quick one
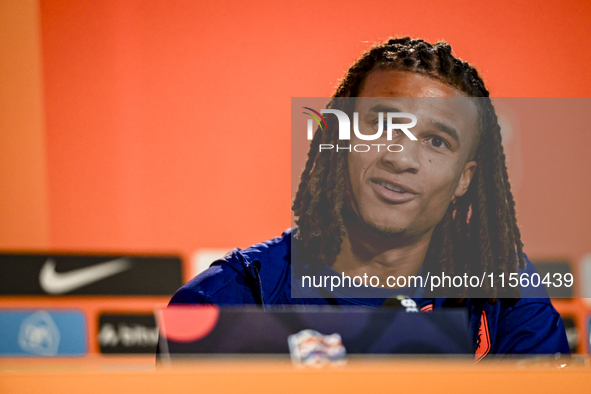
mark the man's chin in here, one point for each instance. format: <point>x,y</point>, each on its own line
<point>374,225</point>
<point>386,230</point>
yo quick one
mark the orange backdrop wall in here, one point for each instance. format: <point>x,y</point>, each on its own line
<point>167,123</point>
<point>24,209</point>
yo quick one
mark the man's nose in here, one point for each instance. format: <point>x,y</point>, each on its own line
<point>403,156</point>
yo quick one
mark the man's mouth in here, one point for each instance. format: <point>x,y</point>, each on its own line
<point>392,187</point>
<point>395,187</point>
<point>393,193</point>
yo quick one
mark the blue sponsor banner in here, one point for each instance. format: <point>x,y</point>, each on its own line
<point>42,333</point>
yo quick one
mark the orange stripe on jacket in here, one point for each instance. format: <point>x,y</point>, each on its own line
<point>484,335</point>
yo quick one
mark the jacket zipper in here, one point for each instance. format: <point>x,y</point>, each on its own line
<point>259,285</point>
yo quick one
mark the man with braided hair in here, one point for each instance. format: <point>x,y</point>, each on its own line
<point>440,204</point>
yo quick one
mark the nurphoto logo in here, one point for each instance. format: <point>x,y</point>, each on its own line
<point>389,125</point>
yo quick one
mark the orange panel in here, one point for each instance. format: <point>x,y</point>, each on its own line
<point>168,122</point>
<point>24,220</point>
<point>278,375</point>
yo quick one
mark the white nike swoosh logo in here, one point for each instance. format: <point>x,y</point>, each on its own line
<point>62,282</point>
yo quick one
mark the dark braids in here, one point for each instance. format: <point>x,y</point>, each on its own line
<point>478,232</point>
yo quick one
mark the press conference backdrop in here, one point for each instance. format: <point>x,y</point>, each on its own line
<point>70,305</point>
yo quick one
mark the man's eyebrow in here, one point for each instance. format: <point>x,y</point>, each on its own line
<point>383,108</point>
<point>452,132</point>
<point>445,129</point>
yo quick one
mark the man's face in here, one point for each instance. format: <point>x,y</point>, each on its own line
<point>408,192</point>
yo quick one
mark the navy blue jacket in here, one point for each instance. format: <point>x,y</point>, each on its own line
<point>261,275</point>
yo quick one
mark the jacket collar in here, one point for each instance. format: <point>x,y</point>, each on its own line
<point>268,263</point>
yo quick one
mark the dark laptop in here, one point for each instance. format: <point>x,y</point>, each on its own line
<point>208,329</point>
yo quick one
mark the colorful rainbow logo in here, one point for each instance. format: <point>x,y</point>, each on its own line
<point>316,119</point>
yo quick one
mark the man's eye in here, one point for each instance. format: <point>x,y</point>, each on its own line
<point>376,125</point>
<point>438,142</point>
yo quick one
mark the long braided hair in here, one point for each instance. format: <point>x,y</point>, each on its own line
<point>478,232</point>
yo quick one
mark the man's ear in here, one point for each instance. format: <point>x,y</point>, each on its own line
<point>465,179</point>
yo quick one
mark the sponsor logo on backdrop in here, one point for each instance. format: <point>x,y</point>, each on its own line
<point>37,274</point>
<point>38,334</point>
<point>43,333</point>
<point>63,282</point>
<point>127,333</point>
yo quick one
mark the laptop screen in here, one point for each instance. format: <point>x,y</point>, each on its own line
<point>209,329</point>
